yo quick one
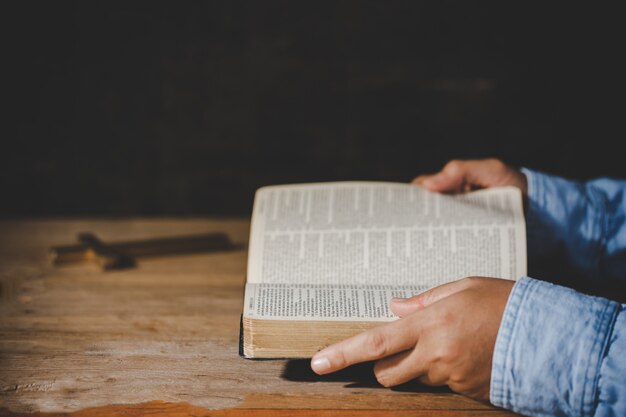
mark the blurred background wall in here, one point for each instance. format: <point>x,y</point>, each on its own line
<point>186,107</point>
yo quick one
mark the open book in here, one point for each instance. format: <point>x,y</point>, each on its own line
<point>325,258</point>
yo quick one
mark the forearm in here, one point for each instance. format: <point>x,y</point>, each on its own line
<point>560,352</point>
<point>577,224</point>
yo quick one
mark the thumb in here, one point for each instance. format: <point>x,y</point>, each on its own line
<point>402,307</point>
<point>450,179</point>
<point>459,176</point>
<point>444,182</point>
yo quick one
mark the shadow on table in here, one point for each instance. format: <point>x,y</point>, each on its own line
<point>356,376</point>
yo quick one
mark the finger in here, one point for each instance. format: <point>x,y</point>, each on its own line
<point>370,345</point>
<point>450,179</point>
<point>485,173</point>
<point>437,182</point>
<point>399,368</point>
<point>419,180</point>
<point>462,176</point>
<point>476,173</point>
<point>402,307</point>
<point>443,182</point>
<point>409,365</point>
<point>453,177</point>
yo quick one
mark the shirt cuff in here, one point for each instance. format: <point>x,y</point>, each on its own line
<point>549,350</point>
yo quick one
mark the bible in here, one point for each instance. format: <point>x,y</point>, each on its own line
<point>325,258</point>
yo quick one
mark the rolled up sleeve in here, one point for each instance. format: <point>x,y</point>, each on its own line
<point>560,353</point>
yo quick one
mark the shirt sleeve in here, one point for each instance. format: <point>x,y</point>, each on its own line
<point>579,227</point>
<point>560,353</point>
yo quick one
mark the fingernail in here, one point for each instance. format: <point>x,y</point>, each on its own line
<point>399,300</point>
<point>320,364</point>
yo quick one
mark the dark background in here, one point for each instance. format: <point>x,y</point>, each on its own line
<point>185,108</point>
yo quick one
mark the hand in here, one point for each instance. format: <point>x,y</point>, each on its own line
<point>463,176</point>
<point>445,336</point>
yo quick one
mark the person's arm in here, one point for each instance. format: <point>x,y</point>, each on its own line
<point>547,351</point>
<point>533,347</point>
<point>582,224</point>
<point>560,353</point>
<point>576,231</point>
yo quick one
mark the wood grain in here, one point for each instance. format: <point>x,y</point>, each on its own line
<point>161,338</point>
<point>185,410</point>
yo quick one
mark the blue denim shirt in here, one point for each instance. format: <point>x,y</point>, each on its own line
<point>560,352</point>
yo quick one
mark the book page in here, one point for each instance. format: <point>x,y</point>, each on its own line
<point>380,233</point>
<point>323,302</point>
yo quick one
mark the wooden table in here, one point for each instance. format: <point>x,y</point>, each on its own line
<point>160,339</point>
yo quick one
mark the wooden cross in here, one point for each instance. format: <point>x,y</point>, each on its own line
<point>122,255</point>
